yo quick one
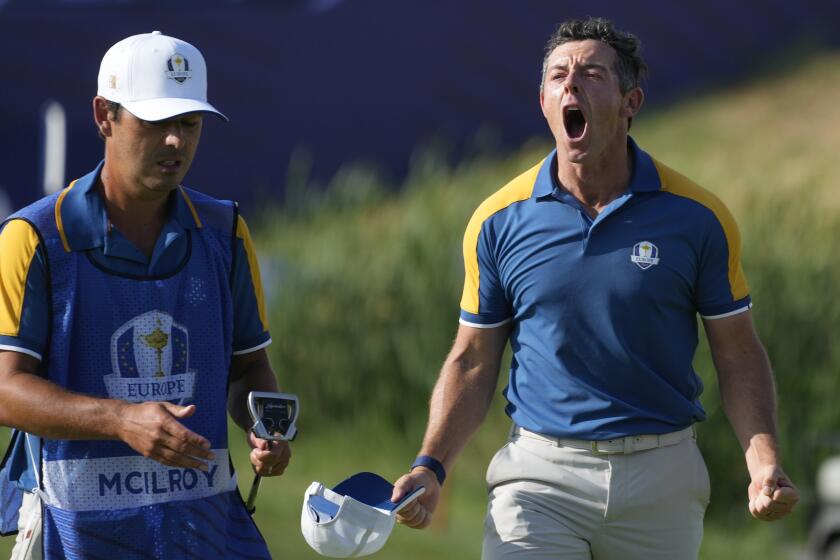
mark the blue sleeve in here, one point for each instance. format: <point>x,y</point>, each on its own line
<point>721,288</point>
<point>250,322</point>
<point>484,303</point>
<point>24,313</point>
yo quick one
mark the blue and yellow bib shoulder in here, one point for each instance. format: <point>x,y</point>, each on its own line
<point>160,330</point>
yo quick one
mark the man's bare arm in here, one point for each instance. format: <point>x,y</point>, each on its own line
<point>458,406</point>
<point>32,404</point>
<point>748,395</point>
<point>253,372</point>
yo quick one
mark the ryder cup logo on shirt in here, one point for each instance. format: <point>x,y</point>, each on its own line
<point>179,68</point>
<point>150,360</point>
<point>645,254</point>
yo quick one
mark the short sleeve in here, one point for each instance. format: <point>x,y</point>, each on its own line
<point>483,303</point>
<point>24,313</point>
<point>250,321</point>
<point>721,284</point>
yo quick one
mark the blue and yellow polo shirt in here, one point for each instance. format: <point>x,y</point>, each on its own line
<point>84,226</point>
<point>604,310</point>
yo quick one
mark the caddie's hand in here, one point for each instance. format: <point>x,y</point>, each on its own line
<point>154,430</point>
<point>772,494</point>
<point>417,514</point>
<point>269,458</point>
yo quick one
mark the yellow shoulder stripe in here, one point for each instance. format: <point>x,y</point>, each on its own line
<point>190,206</point>
<point>254,266</point>
<point>517,190</point>
<point>680,185</point>
<point>18,242</point>
<point>59,224</point>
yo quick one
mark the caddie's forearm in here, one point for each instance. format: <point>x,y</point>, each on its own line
<point>249,372</point>
<point>35,405</point>
<point>237,404</point>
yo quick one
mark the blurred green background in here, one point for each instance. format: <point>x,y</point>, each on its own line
<point>364,282</point>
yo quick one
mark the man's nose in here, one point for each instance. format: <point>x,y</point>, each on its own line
<point>174,135</point>
<point>571,85</point>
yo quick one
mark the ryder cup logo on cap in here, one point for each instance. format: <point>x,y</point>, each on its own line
<point>155,77</point>
<point>179,68</point>
<point>353,519</point>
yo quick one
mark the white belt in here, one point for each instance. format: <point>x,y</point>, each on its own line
<point>629,444</point>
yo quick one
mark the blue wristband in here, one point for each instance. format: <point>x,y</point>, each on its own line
<point>432,464</point>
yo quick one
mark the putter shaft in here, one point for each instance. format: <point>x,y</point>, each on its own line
<point>252,495</point>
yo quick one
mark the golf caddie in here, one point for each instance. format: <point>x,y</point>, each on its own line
<point>594,265</point>
<point>131,322</point>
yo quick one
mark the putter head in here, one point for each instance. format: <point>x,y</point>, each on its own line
<point>274,415</point>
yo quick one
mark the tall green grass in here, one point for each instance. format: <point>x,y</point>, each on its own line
<point>366,307</point>
<point>365,286</point>
<point>364,282</point>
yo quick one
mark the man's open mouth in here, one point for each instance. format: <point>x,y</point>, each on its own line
<point>574,121</point>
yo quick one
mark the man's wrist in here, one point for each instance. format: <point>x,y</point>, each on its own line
<point>429,462</point>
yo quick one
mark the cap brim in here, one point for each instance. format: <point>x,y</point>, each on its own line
<point>368,488</point>
<point>162,109</point>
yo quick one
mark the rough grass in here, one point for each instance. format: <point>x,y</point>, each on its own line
<point>364,286</point>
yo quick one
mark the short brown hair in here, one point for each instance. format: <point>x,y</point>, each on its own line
<point>629,65</point>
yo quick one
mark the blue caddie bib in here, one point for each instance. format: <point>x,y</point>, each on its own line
<point>139,339</point>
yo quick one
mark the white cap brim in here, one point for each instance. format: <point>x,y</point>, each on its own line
<point>162,109</point>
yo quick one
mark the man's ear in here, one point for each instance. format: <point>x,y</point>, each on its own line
<point>100,116</point>
<point>632,102</point>
<point>542,102</point>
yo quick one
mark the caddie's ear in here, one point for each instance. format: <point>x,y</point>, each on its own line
<point>101,116</point>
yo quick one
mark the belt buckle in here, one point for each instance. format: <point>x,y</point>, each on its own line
<point>593,447</point>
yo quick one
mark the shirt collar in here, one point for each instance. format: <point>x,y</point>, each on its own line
<point>644,177</point>
<point>83,222</point>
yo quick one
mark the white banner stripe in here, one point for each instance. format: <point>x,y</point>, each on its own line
<point>127,482</point>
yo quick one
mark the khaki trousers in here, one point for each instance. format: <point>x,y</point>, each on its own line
<point>550,502</point>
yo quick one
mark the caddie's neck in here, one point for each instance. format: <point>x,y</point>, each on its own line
<point>139,217</point>
<point>599,179</point>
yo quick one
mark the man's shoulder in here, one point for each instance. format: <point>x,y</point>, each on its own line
<point>36,214</point>
<point>44,204</point>
<point>516,190</point>
<point>198,197</point>
<point>207,210</point>
<point>677,184</point>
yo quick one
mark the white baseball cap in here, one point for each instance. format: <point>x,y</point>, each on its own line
<point>353,519</point>
<point>155,77</point>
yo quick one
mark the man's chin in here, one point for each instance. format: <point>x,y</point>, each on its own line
<point>576,155</point>
<point>574,151</point>
<point>163,186</point>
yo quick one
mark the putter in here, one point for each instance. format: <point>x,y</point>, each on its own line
<point>274,416</point>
